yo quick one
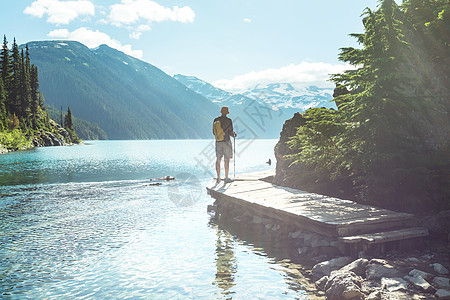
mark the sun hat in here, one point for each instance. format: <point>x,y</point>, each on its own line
<point>224,110</point>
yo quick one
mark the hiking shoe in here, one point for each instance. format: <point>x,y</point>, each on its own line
<point>218,180</point>
<point>228,180</point>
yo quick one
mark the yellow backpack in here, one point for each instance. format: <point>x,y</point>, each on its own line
<point>218,131</point>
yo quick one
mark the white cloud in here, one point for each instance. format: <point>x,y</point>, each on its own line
<point>247,20</point>
<point>131,11</point>
<point>137,34</point>
<point>94,39</point>
<point>143,28</point>
<point>59,33</point>
<point>306,73</point>
<point>60,12</point>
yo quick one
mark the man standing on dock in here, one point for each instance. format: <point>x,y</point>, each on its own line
<point>223,130</point>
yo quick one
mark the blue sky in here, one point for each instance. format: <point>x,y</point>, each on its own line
<point>233,44</point>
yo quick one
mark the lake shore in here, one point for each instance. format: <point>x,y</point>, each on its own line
<point>287,225</point>
<point>414,274</point>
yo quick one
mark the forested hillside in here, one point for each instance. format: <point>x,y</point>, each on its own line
<point>388,142</point>
<point>126,97</point>
<point>84,129</point>
<point>24,121</point>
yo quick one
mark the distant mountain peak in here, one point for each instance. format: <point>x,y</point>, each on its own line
<point>127,98</point>
<point>278,95</point>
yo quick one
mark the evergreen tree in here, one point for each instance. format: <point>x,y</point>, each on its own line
<point>378,144</point>
<point>5,66</point>
<point>25,89</point>
<point>14,88</point>
<point>41,99</point>
<point>68,124</point>
<point>22,109</point>
<point>2,106</point>
<point>35,95</point>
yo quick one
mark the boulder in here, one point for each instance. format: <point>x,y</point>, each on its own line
<point>393,284</point>
<point>285,173</point>
<point>320,284</point>
<point>325,267</point>
<point>420,283</point>
<point>3,150</point>
<point>378,268</point>
<point>441,282</point>
<point>418,273</point>
<point>295,235</point>
<point>440,269</point>
<point>344,285</point>
<point>64,133</point>
<point>375,295</point>
<point>442,294</point>
<point>358,267</point>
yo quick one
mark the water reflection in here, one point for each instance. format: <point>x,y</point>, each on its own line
<point>225,263</point>
<point>104,233</point>
<point>279,252</point>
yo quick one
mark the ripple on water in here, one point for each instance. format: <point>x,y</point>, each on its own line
<point>122,239</point>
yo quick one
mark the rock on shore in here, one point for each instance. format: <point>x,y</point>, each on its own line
<point>45,138</point>
<point>59,137</point>
<point>411,278</point>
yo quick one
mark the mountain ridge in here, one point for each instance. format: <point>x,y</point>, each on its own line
<point>126,97</point>
<point>265,108</point>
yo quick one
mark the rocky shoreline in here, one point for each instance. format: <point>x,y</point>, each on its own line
<point>414,274</point>
<point>60,137</point>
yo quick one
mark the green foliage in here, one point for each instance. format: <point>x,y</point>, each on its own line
<point>14,140</point>
<point>377,146</point>
<point>22,111</point>
<point>84,129</point>
<point>13,122</point>
<point>68,123</point>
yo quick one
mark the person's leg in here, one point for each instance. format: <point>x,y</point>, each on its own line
<point>218,166</point>
<point>227,166</point>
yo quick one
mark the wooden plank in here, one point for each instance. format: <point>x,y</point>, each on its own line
<point>319,213</point>
<point>234,186</point>
<point>343,213</point>
<point>264,211</point>
<point>247,189</point>
<point>255,175</point>
<point>385,223</point>
<point>388,236</point>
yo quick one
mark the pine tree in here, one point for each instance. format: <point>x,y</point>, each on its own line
<point>35,95</point>
<point>2,106</point>
<point>379,143</point>
<point>25,89</point>
<point>68,124</point>
<point>14,88</point>
<point>5,66</point>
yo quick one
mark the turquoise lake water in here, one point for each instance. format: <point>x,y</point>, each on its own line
<point>82,222</point>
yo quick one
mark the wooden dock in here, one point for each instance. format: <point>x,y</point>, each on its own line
<point>356,226</point>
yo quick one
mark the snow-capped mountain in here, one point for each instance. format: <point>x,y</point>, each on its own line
<point>215,95</point>
<point>291,95</point>
<point>263,109</point>
<point>277,96</point>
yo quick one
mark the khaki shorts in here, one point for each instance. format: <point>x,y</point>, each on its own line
<point>224,149</point>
